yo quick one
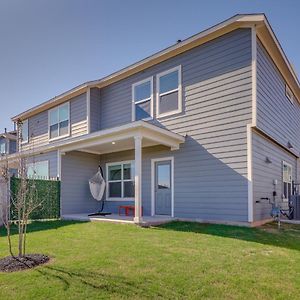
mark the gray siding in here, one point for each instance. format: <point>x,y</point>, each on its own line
<point>51,157</point>
<point>12,146</point>
<point>78,108</point>
<point>38,124</point>
<point>276,115</point>
<point>211,167</point>
<point>95,109</point>
<point>264,173</point>
<point>38,131</point>
<point>77,169</point>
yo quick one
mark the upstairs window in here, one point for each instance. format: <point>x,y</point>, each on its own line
<point>120,179</point>
<point>287,180</point>
<point>59,121</point>
<point>142,100</point>
<point>289,94</point>
<point>169,99</point>
<point>24,131</point>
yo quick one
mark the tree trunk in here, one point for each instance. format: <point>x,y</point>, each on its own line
<point>24,236</point>
<point>20,241</point>
<point>9,239</point>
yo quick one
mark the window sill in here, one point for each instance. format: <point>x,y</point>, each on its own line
<point>168,114</point>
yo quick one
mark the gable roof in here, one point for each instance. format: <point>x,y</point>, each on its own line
<point>264,33</point>
<point>12,135</point>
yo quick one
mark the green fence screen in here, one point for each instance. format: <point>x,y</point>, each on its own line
<point>48,194</point>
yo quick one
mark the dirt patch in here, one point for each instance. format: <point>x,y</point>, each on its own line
<point>29,261</point>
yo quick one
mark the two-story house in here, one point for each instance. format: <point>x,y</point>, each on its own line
<point>199,131</point>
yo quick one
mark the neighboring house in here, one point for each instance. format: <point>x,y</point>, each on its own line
<point>8,142</point>
<point>8,146</point>
<point>199,131</point>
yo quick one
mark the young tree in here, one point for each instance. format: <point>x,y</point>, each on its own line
<point>5,199</point>
<point>22,202</point>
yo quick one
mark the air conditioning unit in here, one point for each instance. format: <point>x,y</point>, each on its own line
<point>296,204</point>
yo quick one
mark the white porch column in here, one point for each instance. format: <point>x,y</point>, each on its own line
<point>138,179</point>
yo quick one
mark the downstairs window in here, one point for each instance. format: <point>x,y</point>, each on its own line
<point>120,180</point>
<point>38,170</point>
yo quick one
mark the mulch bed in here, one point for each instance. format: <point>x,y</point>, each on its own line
<point>29,261</point>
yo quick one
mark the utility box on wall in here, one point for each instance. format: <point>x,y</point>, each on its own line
<point>296,201</point>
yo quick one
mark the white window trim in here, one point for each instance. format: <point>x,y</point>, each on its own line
<point>153,161</point>
<point>179,89</point>
<point>289,94</point>
<point>144,100</point>
<point>27,140</point>
<point>121,180</point>
<point>34,164</point>
<point>69,127</point>
<point>289,165</point>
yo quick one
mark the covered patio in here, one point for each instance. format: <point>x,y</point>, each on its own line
<point>133,136</point>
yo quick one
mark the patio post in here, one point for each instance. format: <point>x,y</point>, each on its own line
<point>138,179</point>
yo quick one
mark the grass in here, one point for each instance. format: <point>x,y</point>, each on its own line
<point>175,261</point>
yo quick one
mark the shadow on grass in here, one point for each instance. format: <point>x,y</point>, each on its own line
<point>106,284</point>
<point>41,226</point>
<point>287,237</point>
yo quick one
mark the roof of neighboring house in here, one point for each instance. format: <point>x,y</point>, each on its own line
<point>12,135</point>
<point>264,33</point>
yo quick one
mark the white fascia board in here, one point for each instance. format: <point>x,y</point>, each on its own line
<point>108,135</point>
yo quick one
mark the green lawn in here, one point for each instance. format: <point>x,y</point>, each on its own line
<point>174,261</point>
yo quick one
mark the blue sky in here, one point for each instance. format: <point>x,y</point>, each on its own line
<point>48,47</point>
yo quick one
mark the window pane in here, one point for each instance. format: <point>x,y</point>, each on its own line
<point>64,128</point>
<point>287,173</point>
<point>64,112</point>
<point>53,116</point>
<point>114,172</point>
<point>129,189</point>
<point>39,170</point>
<point>285,190</point>
<point>168,82</point>
<point>2,147</point>
<point>142,91</point>
<point>163,177</point>
<point>53,131</point>
<point>128,171</point>
<point>114,189</point>
<point>143,110</point>
<point>168,102</point>
<point>25,130</point>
